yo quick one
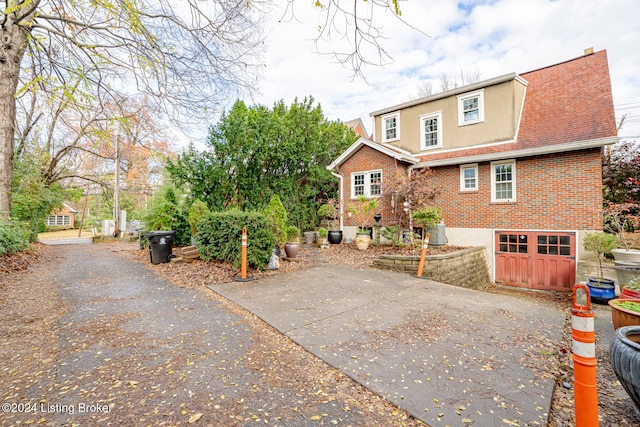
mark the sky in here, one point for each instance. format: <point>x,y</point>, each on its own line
<point>492,38</point>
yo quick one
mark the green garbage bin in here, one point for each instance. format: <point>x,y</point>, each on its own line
<point>161,245</point>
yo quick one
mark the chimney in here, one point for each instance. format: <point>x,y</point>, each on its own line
<point>588,51</point>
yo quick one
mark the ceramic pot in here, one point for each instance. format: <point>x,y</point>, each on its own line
<point>309,237</point>
<point>362,241</point>
<point>623,317</point>
<point>629,294</point>
<point>601,290</point>
<point>624,353</point>
<point>292,249</point>
<point>335,237</point>
<point>626,256</point>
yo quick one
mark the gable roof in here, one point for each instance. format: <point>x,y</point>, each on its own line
<point>353,125</point>
<point>389,150</point>
<point>567,106</point>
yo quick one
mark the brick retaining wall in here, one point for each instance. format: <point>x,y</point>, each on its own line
<point>467,268</point>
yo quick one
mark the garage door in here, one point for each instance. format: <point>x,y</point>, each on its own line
<point>543,260</point>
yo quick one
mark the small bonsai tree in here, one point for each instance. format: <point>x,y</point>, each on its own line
<point>277,218</point>
<point>362,211</point>
<point>329,211</point>
<point>197,211</point>
<point>323,233</point>
<point>293,234</point>
<point>600,243</point>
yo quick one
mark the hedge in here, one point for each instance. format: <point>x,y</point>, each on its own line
<point>219,237</point>
<point>14,237</point>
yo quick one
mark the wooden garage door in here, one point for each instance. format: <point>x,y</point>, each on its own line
<point>537,260</point>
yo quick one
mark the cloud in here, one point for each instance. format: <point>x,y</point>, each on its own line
<point>492,37</point>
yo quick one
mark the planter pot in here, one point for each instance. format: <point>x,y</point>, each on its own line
<point>601,290</point>
<point>621,316</point>
<point>292,249</point>
<point>335,237</point>
<point>626,256</point>
<point>362,241</point>
<point>624,353</point>
<point>309,237</point>
<point>629,294</point>
<point>323,242</point>
<point>627,273</point>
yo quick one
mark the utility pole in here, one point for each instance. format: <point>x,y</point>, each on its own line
<point>116,193</point>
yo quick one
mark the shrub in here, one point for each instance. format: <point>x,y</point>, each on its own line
<point>293,234</point>
<point>219,237</point>
<point>197,211</point>
<point>277,219</point>
<point>14,237</point>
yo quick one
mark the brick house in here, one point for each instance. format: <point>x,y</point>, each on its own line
<point>64,217</point>
<point>517,161</point>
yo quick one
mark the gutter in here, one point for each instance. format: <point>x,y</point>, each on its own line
<point>341,192</point>
<point>526,152</point>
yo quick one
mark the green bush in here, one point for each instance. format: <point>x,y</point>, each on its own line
<point>293,234</point>
<point>219,237</point>
<point>277,219</point>
<point>14,237</point>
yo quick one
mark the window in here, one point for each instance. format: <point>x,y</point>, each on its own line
<point>469,177</point>
<point>471,108</point>
<point>391,127</point>
<point>503,181</point>
<point>431,131</point>
<point>367,184</point>
<point>58,220</point>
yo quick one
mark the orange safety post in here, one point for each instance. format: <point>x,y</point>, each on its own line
<point>584,361</point>
<point>243,269</point>
<point>423,256</point>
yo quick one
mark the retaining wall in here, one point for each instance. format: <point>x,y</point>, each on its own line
<point>467,268</point>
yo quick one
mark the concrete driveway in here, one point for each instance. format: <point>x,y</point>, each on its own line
<point>447,355</point>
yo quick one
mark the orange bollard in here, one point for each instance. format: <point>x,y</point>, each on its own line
<point>243,269</point>
<point>423,256</point>
<point>584,362</point>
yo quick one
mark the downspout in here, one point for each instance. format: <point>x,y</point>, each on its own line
<point>341,192</point>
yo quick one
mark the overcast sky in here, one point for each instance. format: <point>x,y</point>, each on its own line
<point>491,37</point>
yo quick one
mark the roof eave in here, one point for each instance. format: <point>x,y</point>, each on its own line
<point>526,152</point>
<point>405,157</point>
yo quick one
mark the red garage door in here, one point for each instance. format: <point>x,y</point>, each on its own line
<point>536,260</point>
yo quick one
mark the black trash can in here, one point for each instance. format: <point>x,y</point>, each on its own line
<point>160,245</point>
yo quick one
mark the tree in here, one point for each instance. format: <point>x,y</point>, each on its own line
<point>256,152</point>
<point>186,54</point>
<point>621,187</point>
<point>447,82</point>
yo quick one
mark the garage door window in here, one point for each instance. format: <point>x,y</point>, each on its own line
<point>514,243</point>
<point>554,245</point>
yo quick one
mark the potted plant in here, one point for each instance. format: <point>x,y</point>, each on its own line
<point>329,211</point>
<point>427,218</point>
<point>625,312</point>
<point>362,211</point>
<point>619,219</point>
<point>197,210</point>
<point>323,242</point>
<point>601,289</point>
<point>292,247</point>
<point>630,289</point>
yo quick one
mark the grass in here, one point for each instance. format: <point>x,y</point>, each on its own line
<point>62,234</point>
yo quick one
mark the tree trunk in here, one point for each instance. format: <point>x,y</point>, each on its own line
<point>13,42</point>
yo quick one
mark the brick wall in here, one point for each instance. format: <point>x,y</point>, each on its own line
<point>366,158</point>
<point>555,191</point>
<point>467,268</point>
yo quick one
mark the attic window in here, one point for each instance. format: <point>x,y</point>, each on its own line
<point>471,108</point>
<point>391,127</point>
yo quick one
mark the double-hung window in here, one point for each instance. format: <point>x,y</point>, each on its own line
<point>469,177</point>
<point>471,108</point>
<point>368,183</point>
<point>391,127</point>
<point>431,131</point>
<point>503,181</point>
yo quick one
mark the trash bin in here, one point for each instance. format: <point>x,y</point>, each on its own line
<point>160,245</point>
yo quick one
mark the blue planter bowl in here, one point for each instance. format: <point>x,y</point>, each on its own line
<point>601,290</point>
